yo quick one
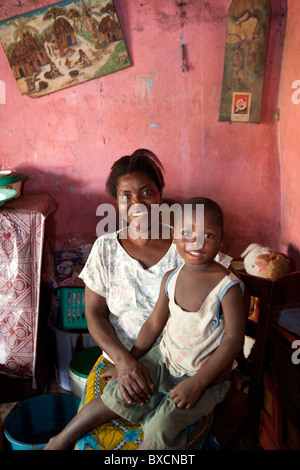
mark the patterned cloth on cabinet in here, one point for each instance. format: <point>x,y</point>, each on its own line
<point>22,229</point>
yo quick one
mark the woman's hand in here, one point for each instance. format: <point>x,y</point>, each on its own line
<point>110,374</point>
<point>187,393</point>
<point>134,382</point>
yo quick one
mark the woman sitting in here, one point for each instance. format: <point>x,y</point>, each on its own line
<point>122,277</point>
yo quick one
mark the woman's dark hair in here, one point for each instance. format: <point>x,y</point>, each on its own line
<point>142,160</point>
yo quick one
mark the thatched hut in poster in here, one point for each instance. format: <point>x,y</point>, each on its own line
<point>109,30</point>
<point>63,34</point>
<point>27,56</point>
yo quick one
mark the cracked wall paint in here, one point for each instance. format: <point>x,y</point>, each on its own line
<point>149,83</point>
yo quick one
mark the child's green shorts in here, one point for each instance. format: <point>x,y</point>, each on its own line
<point>165,425</point>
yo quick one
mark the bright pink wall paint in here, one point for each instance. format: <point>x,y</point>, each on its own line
<point>66,142</point>
<point>289,137</point>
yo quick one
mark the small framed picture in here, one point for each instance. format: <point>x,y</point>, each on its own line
<point>241,103</point>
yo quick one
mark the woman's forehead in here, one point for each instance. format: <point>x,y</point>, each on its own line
<point>135,179</point>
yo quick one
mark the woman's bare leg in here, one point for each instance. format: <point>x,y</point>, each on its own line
<point>93,414</point>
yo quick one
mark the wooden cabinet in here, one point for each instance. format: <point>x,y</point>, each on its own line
<point>280,417</point>
<point>239,418</point>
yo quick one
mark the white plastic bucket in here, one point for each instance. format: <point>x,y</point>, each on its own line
<point>80,366</point>
<point>78,384</point>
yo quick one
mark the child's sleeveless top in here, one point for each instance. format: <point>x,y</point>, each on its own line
<point>189,336</point>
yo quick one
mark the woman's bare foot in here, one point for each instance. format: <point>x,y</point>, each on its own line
<point>93,414</point>
<point>143,446</point>
<point>57,443</point>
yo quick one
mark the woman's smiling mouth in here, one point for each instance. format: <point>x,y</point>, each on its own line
<point>138,210</point>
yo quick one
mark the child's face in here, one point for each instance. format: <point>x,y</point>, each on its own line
<point>187,236</point>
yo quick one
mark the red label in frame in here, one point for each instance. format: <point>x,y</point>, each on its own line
<point>241,103</point>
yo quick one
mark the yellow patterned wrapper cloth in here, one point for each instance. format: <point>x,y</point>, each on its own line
<point>117,434</point>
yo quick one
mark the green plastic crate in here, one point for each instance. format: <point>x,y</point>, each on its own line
<point>72,308</point>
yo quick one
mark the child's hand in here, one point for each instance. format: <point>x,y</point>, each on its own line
<point>187,393</point>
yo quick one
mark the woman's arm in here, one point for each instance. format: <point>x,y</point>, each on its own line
<point>102,331</point>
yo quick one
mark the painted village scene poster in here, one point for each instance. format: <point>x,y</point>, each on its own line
<point>64,44</point>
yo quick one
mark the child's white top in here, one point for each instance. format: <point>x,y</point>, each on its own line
<point>189,337</point>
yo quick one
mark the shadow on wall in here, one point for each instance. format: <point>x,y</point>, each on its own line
<point>274,59</point>
<point>77,207</point>
<point>77,215</point>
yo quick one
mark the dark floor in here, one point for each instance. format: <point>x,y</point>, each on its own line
<point>18,390</point>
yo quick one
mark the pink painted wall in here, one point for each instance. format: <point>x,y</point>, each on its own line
<point>289,137</point>
<point>66,142</point>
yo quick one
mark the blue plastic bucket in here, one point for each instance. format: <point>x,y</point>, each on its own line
<point>32,422</point>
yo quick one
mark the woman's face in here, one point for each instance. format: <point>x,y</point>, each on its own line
<point>136,192</point>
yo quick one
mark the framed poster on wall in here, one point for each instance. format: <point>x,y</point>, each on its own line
<point>244,63</point>
<point>64,44</point>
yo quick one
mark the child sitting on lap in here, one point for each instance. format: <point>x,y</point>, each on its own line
<point>174,384</point>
